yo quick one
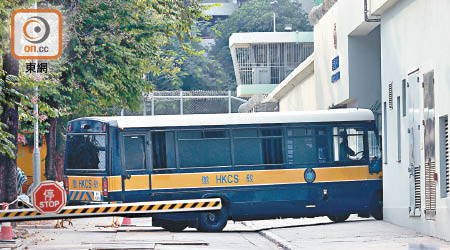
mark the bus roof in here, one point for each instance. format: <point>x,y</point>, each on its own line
<point>238,118</point>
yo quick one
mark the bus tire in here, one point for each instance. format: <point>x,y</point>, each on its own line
<point>338,218</point>
<point>213,221</point>
<point>376,205</point>
<point>174,226</point>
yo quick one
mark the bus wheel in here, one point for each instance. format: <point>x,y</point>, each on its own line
<point>338,218</point>
<point>173,226</point>
<point>376,206</point>
<point>213,221</point>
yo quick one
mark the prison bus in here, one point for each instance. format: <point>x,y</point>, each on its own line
<point>261,165</point>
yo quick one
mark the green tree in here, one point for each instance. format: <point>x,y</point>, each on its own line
<point>255,16</point>
<point>113,42</point>
<point>9,102</point>
<point>197,72</point>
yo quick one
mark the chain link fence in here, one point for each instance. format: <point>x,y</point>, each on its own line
<point>188,102</point>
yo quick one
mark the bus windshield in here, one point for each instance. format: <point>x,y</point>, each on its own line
<point>86,151</point>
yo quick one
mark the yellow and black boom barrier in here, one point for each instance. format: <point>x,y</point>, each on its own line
<point>121,209</point>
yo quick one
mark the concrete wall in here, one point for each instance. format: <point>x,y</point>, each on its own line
<point>365,68</point>
<point>414,35</point>
<point>351,32</point>
<point>301,97</point>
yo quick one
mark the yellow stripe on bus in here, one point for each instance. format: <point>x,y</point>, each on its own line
<point>114,183</point>
<point>357,173</point>
<point>137,182</point>
<point>228,178</point>
<point>260,177</point>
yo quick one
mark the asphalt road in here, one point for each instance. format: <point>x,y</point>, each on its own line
<point>288,234</point>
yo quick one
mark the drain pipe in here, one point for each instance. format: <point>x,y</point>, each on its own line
<point>366,15</point>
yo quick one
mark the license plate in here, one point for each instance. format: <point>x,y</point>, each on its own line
<point>97,196</point>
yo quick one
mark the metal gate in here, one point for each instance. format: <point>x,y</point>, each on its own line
<point>430,148</point>
<point>413,101</point>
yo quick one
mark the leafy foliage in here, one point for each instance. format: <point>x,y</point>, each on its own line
<point>52,101</point>
<point>9,96</point>
<point>8,93</point>
<point>255,16</point>
<point>197,72</point>
<point>113,42</point>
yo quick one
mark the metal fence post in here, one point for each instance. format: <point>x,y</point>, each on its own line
<point>229,101</point>
<point>144,108</point>
<point>153,103</point>
<point>181,102</point>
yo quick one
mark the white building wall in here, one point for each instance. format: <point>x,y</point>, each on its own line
<point>351,28</point>
<point>324,52</point>
<point>414,35</point>
<point>302,97</point>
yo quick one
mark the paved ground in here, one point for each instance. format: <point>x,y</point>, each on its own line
<point>92,234</point>
<point>317,233</point>
<point>356,233</point>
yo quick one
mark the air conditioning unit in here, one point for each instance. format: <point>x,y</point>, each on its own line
<point>261,75</point>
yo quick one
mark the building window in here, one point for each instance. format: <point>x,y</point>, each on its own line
<point>404,97</point>
<point>385,133</point>
<point>399,131</point>
<point>445,156</point>
<point>391,101</point>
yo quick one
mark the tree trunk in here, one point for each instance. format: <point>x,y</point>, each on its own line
<point>10,117</point>
<point>50,160</point>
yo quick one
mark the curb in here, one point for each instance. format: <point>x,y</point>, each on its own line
<point>284,244</point>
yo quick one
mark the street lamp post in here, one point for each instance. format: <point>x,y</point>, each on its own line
<point>36,150</point>
<point>273,4</point>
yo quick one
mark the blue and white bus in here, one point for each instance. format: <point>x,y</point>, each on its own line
<point>261,165</point>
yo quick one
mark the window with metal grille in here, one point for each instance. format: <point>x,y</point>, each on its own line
<point>417,193</point>
<point>445,156</point>
<point>404,97</point>
<point>391,104</point>
<point>272,145</point>
<point>385,134</point>
<point>399,131</point>
<point>159,150</point>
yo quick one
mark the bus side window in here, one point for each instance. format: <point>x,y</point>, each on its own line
<point>163,149</point>
<point>272,145</point>
<point>247,147</point>
<point>307,145</point>
<point>374,149</point>
<point>204,148</point>
<point>322,138</point>
<point>134,152</point>
<point>348,144</point>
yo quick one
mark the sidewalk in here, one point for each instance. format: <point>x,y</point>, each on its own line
<point>355,233</point>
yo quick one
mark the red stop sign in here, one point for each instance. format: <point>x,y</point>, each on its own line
<point>49,197</point>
